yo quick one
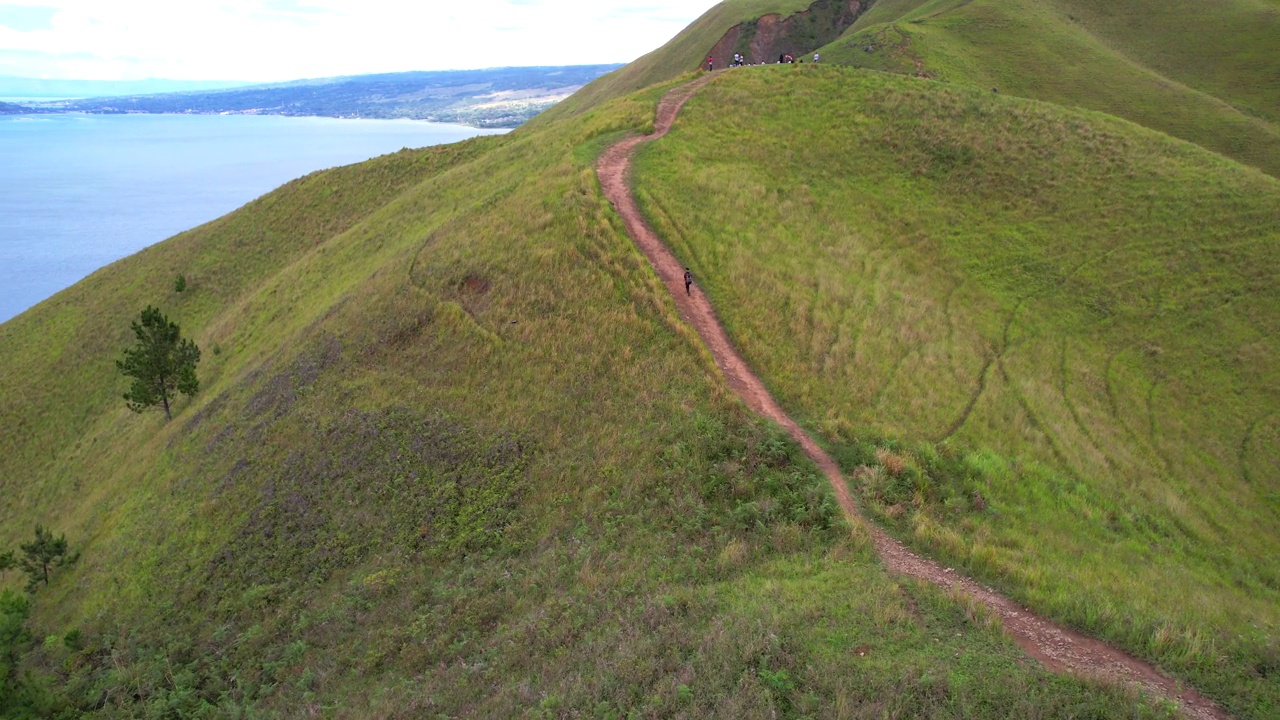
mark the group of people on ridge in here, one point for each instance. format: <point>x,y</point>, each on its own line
<point>739,60</point>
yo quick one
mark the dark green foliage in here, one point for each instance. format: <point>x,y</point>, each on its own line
<point>766,483</point>
<point>14,610</point>
<point>73,640</point>
<point>42,555</point>
<point>7,562</point>
<point>180,283</point>
<point>781,685</point>
<point>15,639</point>
<point>24,693</point>
<point>162,364</point>
<point>934,474</point>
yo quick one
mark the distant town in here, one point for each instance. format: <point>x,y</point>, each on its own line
<point>490,98</point>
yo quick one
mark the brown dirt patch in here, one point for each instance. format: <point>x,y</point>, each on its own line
<point>475,285</point>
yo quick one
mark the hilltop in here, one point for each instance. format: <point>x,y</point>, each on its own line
<point>456,451</point>
<point>1201,72</point>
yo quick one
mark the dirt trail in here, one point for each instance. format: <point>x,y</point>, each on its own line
<point>1059,648</point>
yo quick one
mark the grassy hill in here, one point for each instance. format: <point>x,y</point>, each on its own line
<point>1203,72</point>
<point>1040,338</point>
<point>456,454</point>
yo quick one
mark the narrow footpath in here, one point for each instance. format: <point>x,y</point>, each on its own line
<point>1059,648</point>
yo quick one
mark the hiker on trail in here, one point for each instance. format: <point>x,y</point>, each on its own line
<point>688,281</point>
<point>710,63</point>
<point>815,57</point>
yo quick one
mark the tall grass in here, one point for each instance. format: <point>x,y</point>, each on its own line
<point>1197,71</point>
<point>456,455</point>
<point>1057,322</point>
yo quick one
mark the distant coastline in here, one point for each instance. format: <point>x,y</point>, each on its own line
<point>491,98</point>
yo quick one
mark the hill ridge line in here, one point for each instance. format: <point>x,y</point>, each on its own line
<point>1060,649</point>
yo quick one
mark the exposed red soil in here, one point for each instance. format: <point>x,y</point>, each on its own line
<point>773,34</point>
<point>1059,648</point>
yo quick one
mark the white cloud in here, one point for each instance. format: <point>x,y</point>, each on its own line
<point>264,40</point>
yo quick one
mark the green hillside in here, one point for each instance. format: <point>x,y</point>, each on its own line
<point>456,453</point>
<point>1047,334</point>
<point>1204,72</point>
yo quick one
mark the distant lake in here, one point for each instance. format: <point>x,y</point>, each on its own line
<point>78,192</point>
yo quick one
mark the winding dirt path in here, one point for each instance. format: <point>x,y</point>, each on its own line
<point>1059,648</point>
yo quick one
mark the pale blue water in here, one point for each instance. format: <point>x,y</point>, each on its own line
<point>78,192</point>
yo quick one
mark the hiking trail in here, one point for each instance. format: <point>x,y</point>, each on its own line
<point>1060,649</point>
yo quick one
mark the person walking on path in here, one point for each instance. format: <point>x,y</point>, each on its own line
<point>688,281</point>
<point>710,63</point>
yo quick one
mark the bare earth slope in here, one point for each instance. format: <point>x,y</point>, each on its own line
<point>1057,647</point>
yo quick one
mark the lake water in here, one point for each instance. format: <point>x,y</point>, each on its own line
<point>78,192</point>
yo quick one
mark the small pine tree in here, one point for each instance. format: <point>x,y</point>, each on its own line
<point>162,364</point>
<point>180,284</point>
<point>41,555</point>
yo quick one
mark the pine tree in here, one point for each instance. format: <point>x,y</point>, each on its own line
<point>162,364</point>
<point>41,555</point>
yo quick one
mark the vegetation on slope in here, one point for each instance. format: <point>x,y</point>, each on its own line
<point>1204,72</point>
<point>455,454</point>
<point>1041,339</point>
<point>1201,72</point>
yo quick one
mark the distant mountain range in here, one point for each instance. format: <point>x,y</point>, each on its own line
<point>496,97</point>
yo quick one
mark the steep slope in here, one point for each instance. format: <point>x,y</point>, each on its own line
<point>1038,338</point>
<point>1226,49</point>
<point>458,454</point>
<point>722,30</point>
<point>455,454</point>
<point>1056,646</point>
<point>1203,72</point>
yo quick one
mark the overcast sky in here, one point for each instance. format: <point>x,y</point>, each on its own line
<point>269,40</point>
